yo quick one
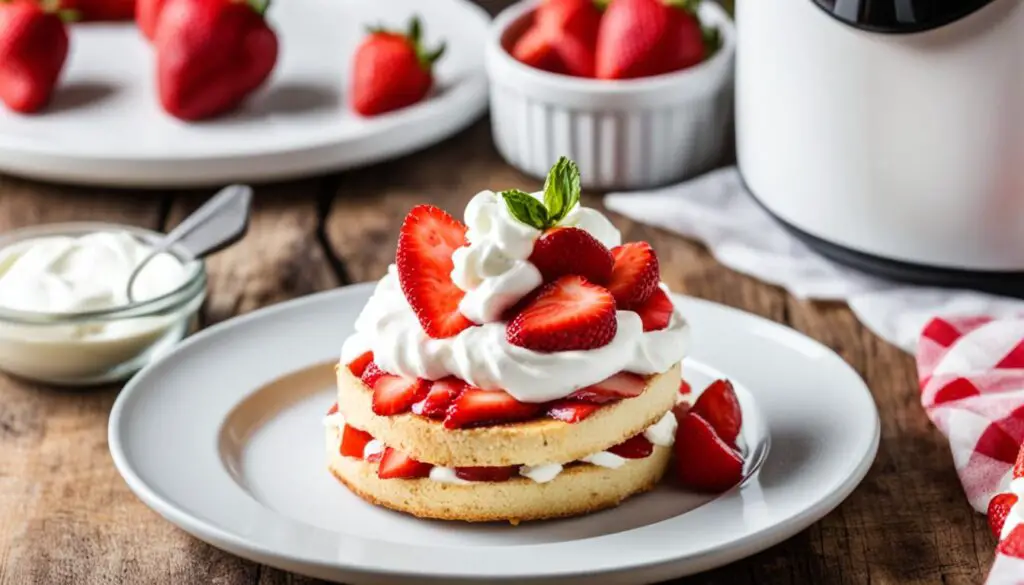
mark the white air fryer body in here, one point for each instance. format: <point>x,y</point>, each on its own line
<point>906,146</point>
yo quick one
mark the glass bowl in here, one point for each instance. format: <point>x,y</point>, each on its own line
<point>96,347</point>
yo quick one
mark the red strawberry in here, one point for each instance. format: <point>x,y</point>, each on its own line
<point>476,407</point>
<point>353,442</point>
<point>656,313</point>
<point>635,274</point>
<point>485,473</point>
<point>639,38</point>
<point>358,365</point>
<point>1018,469</point>
<point>563,37</point>
<point>333,409</point>
<point>147,15</point>
<point>704,461</point>
<point>395,394</point>
<point>210,55</point>
<point>442,392</point>
<point>564,251</point>
<point>1013,545</point>
<point>719,406</point>
<point>636,447</point>
<point>425,245</point>
<point>570,411</point>
<point>371,374</point>
<point>570,313</point>
<point>684,388</point>
<point>392,70</point>
<point>998,510</point>
<point>33,48</point>
<point>621,385</point>
<point>397,465</point>
<point>681,410</point>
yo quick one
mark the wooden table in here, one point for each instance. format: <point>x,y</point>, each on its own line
<point>67,517</point>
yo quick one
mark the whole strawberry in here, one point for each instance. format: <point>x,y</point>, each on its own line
<point>392,70</point>
<point>33,48</point>
<point>640,38</point>
<point>562,39</point>
<point>210,55</point>
<point>147,15</point>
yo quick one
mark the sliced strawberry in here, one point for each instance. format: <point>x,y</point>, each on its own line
<point>395,394</point>
<point>636,447</point>
<point>1018,469</point>
<point>476,407</point>
<point>719,406</point>
<point>425,245</point>
<point>684,388</point>
<point>333,409</point>
<point>656,312</point>
<point>1013,545</point>
<point>485,473</point>
<point>998,510</point>
<point>439,397</point>
<point>563,251</point>
<point>397,465</point>
<point>635,274</point>
<point>371,374</point>
<point>353,442</point>
<point>568,314</point>
<point>621,385</point>
<point>704,461</point>
<point>570,411</point>
<point>358,365</point>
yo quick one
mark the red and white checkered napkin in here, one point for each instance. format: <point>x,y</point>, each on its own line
<point>971,372</point>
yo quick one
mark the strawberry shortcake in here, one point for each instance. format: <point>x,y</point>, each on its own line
<point>521,365</point>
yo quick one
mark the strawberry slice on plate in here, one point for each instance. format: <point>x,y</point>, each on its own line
<point>564,251</point>
<point>397,465</point>
<point>358,365</point>
<point>353,442</point>
<point>998,509</point>
<point>656,312</point>
<point>1013,545</point>
<point>570,411</point>
<point>635,274</point>
<point>636,447</point>
<point>719,406</point>
<point>396,394</point>
<point>569,314</point>
<point>621,385</point>
<point>427,240</point>
<point>371,373</point>
<point>704,462</point>
<point>476,407</point>
<point>441,394</point>
<point>485,473</point>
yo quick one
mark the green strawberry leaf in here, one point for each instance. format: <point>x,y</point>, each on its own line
<point>712,40</point>
<point>561,189</point>
<point>526,209</point>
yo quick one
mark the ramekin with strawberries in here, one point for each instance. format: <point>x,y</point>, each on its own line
<point>637,92</point>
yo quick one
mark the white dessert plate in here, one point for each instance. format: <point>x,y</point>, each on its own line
<point>224,438</point>
<point>105,125</point>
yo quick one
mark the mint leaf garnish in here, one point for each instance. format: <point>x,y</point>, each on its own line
<point>561,189</point>
<point>526,209</point>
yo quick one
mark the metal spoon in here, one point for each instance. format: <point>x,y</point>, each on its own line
<point>220,222</point>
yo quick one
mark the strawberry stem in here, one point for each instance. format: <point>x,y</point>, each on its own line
<point>68,15</point>
<point>260,6</point>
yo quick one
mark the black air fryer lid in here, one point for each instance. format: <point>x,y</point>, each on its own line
<point>898,16</point>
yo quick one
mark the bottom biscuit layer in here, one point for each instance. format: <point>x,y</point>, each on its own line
<point>579,489</point>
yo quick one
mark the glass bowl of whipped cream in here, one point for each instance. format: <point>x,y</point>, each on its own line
<point>65,314</point>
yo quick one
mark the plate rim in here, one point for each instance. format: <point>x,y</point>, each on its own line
<point>733,550</point>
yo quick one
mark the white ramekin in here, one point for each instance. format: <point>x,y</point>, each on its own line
<point>626,134</point>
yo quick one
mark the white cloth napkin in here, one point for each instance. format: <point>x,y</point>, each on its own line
<point>718,211</point>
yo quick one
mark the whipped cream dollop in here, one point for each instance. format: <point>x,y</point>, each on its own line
<point>483,357</point>
<point>494,269</point>
<point>71,274</point>
<point>1016,516</point>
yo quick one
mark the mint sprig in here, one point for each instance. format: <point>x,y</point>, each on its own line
<point>561,194</point>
